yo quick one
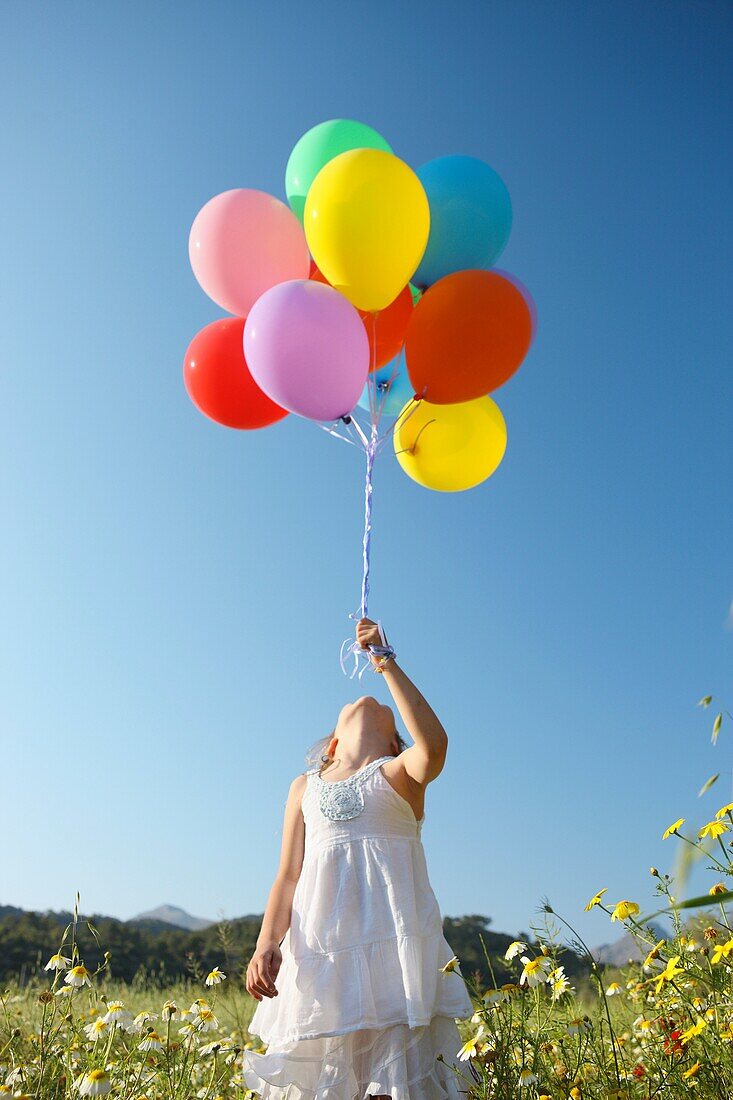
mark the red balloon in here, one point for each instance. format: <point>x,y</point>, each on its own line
<point>218,380</point>
<point>388,326</point>
<point>468,334</point>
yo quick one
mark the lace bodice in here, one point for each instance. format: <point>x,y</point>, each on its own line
<point>364,804</point>
<point>343,799</point>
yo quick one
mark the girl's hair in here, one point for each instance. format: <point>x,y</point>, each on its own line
<point>316,755</point>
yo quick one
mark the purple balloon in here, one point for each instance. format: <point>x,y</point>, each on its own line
<point>307,349</point>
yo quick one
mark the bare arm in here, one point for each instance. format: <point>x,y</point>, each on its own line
<point>265,963</point>
<point>424,760</point>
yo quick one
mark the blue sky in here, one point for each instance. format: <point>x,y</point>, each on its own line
<point>175,593</point>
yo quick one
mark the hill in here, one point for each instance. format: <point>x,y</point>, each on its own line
<point>158,949</point>
<point>172,914</point>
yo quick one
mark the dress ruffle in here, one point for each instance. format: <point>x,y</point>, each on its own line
<point>394,981</point>
<point>395,1061</point>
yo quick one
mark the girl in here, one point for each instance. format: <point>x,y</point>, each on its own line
<point>352,931</point>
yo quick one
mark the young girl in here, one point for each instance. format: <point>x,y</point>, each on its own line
<point>352,932</point>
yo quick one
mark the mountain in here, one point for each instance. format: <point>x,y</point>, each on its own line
<point>625,950</point>
<point>172,914</point>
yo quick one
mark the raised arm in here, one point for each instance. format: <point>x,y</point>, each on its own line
<point>424,760</point>
<point>266,960</point>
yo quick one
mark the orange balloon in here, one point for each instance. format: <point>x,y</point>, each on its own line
<point>386,328</point>
<point>468,333</point>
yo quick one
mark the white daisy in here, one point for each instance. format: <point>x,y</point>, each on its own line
<point>514,949</point>
<point>117,1014</point>
<point>152,1041</point>
<point>141,1020</point>
<point>95,1083</point>
<point>78,976</point>
<point>206,1021</point>
<point>96,1028</point>
<point>535,971</point>
<point>57,962</point>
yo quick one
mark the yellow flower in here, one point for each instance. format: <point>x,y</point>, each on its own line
<point>721,951</point>
<point>624,909</point>
<point>673,828</point>
<point>669,973</point>
<point>692,1070</point>
<point>713,829</point>
<point>450,966</point>
<point>725,810</point>
<point>719,888</point>
<point>653,954</point>
<point>595,900</point>
<point>691,1032</point>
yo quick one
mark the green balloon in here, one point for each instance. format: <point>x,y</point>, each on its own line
<point>416,293</point>
<point>320,145</point>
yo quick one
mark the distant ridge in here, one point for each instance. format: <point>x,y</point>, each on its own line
<point>626,949</point>
<point>173,914</point>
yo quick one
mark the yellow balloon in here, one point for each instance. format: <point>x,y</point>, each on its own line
<point>367,222</point>
<point>450,447</point>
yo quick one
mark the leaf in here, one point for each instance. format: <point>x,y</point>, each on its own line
<point>716,727</point>
<point>705,701</point>
<point>708,784</point>
<point>692,903</point>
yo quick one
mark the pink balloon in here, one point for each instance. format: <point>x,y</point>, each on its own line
<point>243,242</point>
<point>307,348</point>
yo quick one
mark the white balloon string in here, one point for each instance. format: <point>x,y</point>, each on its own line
<point>332,431</point>
<point>370,445</point>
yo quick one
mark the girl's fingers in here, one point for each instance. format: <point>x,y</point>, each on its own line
<point>258,983</point>
<point>263,981</point>
<point>251,990</point>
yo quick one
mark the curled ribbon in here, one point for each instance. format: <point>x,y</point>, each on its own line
<point>361,655</point>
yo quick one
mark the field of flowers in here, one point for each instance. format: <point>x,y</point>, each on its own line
<point>660,1027</point>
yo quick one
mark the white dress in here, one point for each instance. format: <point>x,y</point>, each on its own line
<point>362,1006</point>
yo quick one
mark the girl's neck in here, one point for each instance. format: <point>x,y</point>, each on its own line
<point>358,755</point>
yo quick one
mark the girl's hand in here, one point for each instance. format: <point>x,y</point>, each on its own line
<point>367,633</point>
<point>262,970</point>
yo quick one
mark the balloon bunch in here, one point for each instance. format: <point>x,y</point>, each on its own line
<point>374,295</point>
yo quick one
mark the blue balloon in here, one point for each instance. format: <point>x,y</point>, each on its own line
<point>398,391</point>
<point>470,217</point>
